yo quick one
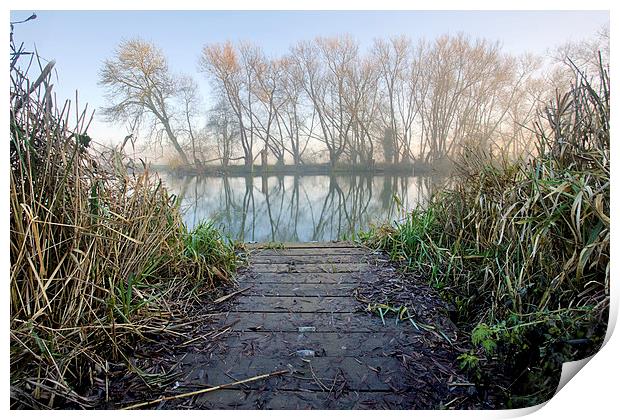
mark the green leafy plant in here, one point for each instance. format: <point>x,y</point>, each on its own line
<point>484,336</point>
<point>468,361</point>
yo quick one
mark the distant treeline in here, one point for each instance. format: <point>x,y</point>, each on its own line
<point>327,100</point>
<point>307,169</point>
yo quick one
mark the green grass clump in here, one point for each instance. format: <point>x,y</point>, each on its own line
<point>207,246</point>
<point>522,248</point>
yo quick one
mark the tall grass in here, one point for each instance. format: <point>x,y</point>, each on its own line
<point>99,256</point>
<point>522,248</point>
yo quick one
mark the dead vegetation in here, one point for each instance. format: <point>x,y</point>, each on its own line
<point>100,258</point>
<point>522,249</point>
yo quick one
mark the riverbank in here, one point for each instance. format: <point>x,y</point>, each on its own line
<point>101,262</point>
<point>307,169</point>
<point>522,250</point>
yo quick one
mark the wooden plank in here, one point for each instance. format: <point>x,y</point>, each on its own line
<point>300,400</point>
<point>299,278</point>
<point>295,304</point>
<point>291,322</point>
<point>301,245</point>
<point>311,268</point>
<point>307,259</point>
<point>301,289</point>
<point>317,373</point>
<point>311,251</point>
<point>286,344</point>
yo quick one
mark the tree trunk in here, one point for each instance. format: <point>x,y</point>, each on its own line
<point>332,159</point>
<point>175,143</point>
<point>249,163</point>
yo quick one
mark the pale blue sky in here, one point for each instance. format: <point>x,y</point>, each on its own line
<point>80,40</point>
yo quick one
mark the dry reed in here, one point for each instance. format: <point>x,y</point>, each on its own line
<point>99,256</point>
<point>522,248</point>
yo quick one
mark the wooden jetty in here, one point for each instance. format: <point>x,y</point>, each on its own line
<point>296,311</point>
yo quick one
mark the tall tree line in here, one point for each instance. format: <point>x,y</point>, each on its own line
<point>326,100</point>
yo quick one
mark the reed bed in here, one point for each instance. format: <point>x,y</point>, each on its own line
<point>522,248</point>
<point>100,257</point>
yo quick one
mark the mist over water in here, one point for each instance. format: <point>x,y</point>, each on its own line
<point>297,208</point>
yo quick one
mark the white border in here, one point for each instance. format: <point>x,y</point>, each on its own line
<point>591,393</point>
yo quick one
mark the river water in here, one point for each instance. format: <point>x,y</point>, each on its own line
<point>299,208</point>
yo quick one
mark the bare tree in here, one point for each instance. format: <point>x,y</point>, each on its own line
<point>584,54</point>
<point>222,128</point>
<point>324,67</point>
<point>139,86</point>
<point>294,118</point>
<point>392,60</point>
<point>269,74</point>
<point>189,97</point>
<point>403,85</point>
<point>233,77</point>
<point>361,99</point>
<point>462,103</point>
<point>517,138</point>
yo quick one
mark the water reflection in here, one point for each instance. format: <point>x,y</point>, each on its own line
<point>297,208</point>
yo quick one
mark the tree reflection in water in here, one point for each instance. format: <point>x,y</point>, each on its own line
<point>298,208</point>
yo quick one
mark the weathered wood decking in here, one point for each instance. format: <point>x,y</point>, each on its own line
<point>300,300</point>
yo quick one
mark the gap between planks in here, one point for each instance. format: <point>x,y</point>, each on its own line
<point>302,245</point>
